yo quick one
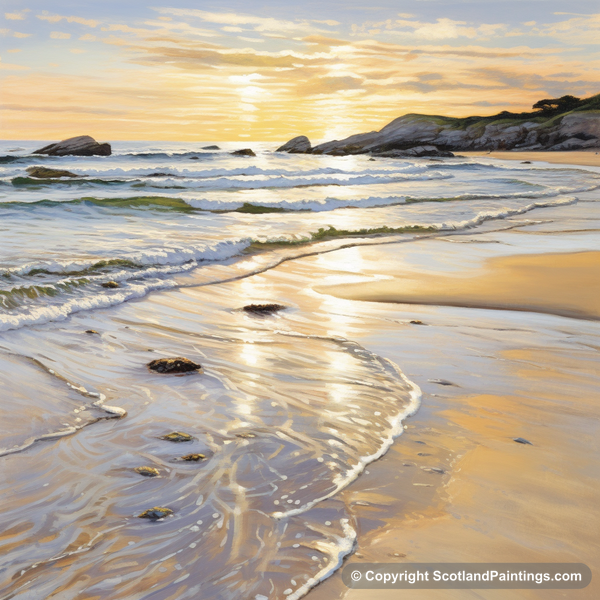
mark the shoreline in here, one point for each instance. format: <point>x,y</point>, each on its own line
<point>582,158</point>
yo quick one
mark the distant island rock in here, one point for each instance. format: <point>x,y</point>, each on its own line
<point>565,123</point>
<point>297,145</point>
<point>243,152</point>
<point>211,148</point>
<point>82,145</point>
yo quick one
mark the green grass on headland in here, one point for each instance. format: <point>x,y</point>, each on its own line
<point>546,117</point>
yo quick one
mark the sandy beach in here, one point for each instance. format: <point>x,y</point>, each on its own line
<point>497,500</point>
<point>587,158</point>
<point>560,284</point>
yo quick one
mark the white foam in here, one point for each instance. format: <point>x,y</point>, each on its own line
<point>343,480</point>
<point>166,255</point>
<point>336,551</point>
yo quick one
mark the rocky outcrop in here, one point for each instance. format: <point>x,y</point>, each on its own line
<point>297,145</point>
<point>83,145</point>
<point>417,151</point>
<point>211,148</point>
<point>173,365</point>
<point>410,134</point>
<point>244,152</point>
<point>45,173</point>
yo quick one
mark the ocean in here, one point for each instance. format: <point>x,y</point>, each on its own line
<point>288,410</point>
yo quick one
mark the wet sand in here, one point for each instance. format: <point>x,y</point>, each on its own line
<point>563,284</point>
<point>588,158</point>
<point>513,374</point>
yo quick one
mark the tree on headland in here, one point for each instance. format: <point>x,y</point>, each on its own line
<point>562,104</point>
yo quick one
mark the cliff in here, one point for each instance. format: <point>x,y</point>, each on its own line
<point>550,129</point>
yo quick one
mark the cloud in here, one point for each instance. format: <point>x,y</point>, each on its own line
<point>260,24</point>
<point>17,16</point>
<point>88,37</point>
<point>18,34</point>
<point>59,35</point>
<point>56,18</point>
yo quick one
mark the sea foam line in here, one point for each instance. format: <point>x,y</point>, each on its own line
<point>114,411</point>
<point>396,427</point>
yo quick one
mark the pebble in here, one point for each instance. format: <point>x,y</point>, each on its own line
<point>147,471</point>
<point>521,440</point>
<point>177,436</point>
<point>158,512</point>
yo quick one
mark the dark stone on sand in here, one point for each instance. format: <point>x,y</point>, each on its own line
<point>423,454</point>
<point>82,145</point>
<point>177,436</point>
<point>420,442</point>
<point>436,470</point>
<point>371,159</point>
<point>173,365</point>
<point>158,512</point>
<point>110,285</point>
<point>416,322</point>
<point>46,173</point>
<point>147,471</point>
<point>245,435</point>
<point>211,148</point>
<point>244,152</point>
<point>92,331</point>
<point>263,309</point>
<point>193,457</point>
<point>521,440</point>
<point>442,382</point>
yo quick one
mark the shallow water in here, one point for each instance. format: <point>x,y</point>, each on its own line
<point>288,409</point>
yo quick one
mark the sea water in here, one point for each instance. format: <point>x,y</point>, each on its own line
<point>287,412</point>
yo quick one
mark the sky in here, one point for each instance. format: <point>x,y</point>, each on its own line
<point>262,70</point>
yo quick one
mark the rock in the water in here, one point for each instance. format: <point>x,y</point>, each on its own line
<point>416,322</point>
<point>263,309</point>
<point>194,158</point>
<point>110,285</point>
<point>211,148</point>
<point>173,365</point>
<point>244,152</point>
<point>158,512</point>
<point>46,173</point>
<point>526,162</point>
<point>177,436</point>
<point>147,471</point>
<point>193,457</point>
<point>297,145</point>
<point>82,145</point>
<point>521,440</point>
<point>93,331</point>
